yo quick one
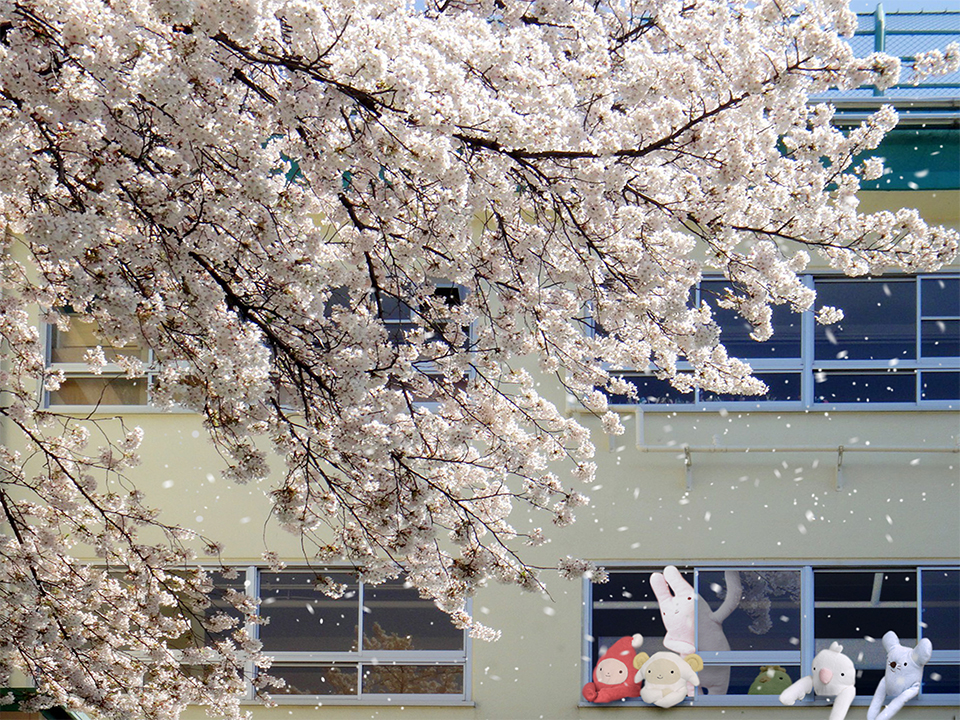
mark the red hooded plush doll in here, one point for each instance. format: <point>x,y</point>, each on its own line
<point>613,676</point>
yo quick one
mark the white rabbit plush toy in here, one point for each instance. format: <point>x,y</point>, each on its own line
<point>904,671</point>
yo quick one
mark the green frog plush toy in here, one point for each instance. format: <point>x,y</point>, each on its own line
<point>772,680</point>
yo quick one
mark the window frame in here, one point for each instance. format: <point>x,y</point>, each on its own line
<point>807,366</point>
<point>110,371</point>
<point>807,646</point>
<point>250,576</point>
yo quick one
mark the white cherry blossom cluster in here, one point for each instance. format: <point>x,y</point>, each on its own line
<point>346,230</point>
<point>936,62</point>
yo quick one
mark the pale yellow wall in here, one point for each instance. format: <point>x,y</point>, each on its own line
<point>741,507</point>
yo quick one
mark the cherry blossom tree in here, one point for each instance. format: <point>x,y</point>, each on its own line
<point>347,229</point>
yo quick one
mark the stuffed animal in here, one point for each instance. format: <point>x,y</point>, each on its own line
<point>665,676</point>
<point>901,680</point>
<point>684,613</point>
<point>772,680</point>
<point>833,675</point>
<point>613,675</point>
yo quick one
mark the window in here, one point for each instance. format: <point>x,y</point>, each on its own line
<point>66,351</point>
<point>898,345</point>
<point>371,644</point>
<point>785,615</point>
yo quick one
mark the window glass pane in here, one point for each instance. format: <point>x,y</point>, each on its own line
<point>652,390</point>
<point>395,309</point>
<point>199,636</point>
<point>100,391</point>
<point>218,603</point>
<point>879,320</point>
<point>72,345</point>
<point>315,679</point>
<point>939,385</point>
<point>625,605</point>
<point>768,614</point>
<point>856,608</point>
<point>941,679</point>
<point>941,608</point>
<point>397,618</point>
<point>781,387</point>
<point>413,679</point>
<point>302,618</point>
<point>940,297</point>
<point>735,331</point>
<point>940,338</point>
<point>863,387</point>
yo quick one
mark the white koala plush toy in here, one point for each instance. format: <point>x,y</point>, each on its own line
<point>901,681</point>
<point>833,675</point>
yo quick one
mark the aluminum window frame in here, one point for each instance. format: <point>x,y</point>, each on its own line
<point>358,659</point>
<point>110,371</point>
<point>807,641</point>
<point>806,365</point>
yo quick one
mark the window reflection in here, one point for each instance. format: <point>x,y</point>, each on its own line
<point>941,598</point>
<point>735,331</point>
<point>879,320</point>
<point>302,618</point>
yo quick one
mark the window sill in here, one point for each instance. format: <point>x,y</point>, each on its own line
<point>96,410</point>
<point>376,700</point>
<point>775,407</point>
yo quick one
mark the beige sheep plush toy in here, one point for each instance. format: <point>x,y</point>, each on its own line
<point>665,676</point>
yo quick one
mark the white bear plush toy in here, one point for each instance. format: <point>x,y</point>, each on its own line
<point>833,675</point>
<point>904,671</point>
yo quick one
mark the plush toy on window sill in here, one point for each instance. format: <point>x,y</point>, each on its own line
<point>686,615</point>
<point>665,676</point>
<point>833,675</point>
<point>901,680</point>
<point>772,680</point>
<point>613,675</point>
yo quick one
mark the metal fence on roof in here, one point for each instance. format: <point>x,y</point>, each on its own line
<point>904,34</point>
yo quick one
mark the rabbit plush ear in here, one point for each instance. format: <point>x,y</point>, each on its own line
<point>922,652</point>
<point>890,641</point>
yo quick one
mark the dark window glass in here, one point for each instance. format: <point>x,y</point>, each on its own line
<point>939,385</point>
<point>760,680</point>
<point>941,608</point>
<point>413,679</point>
<point>315,679</point>
<point>940,338</point>
<point>735,331</point>
<point>856,608</point>
<point>898,586</point>
<point>865,386</point>
<point>879,320</point>
<point>651,390</point>
<point>218,602</point>
<point>941,679</point>
<point>198,635</point>
<point>940,297</point>
<point>397,618</point>
<point>302,618</point>
<point>625,605</point>
<point>781,387</point>
<point>768,615</point>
